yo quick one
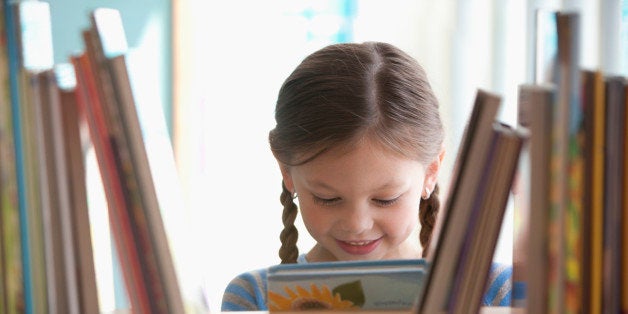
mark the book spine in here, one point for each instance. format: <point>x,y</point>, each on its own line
<point>597,193</point>
<point>624,220</point>
<point>615,111</point>
<point>81,225</point>
<point>23,203</point>
<point>568,29</point>
<point>536,109</point>
<point>12,270</point>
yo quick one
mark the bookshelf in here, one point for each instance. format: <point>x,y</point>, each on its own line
<point>54,114</point>
<point>566,259</point>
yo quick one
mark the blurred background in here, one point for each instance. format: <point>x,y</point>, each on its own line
<point>206,76</point>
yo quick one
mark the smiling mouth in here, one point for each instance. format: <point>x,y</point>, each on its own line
<point>361,247</point>
<point>359,243</point>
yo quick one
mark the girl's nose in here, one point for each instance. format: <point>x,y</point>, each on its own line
<point>356,219</point>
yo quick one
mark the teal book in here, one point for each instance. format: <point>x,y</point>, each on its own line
<point>346,285</point>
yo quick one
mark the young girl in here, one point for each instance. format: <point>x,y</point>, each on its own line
<point>359,142</point>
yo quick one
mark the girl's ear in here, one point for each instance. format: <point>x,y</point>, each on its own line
<point>287,177</point>
<point>431,173</point>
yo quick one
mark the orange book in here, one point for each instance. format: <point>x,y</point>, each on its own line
<point>597,194</point>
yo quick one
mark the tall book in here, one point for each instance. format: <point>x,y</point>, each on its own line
<point>536,108</point>
<point>624,220</point>
<point>34,240</point>
<point>11,281</point>
<point>594,120</point>
<point>30,51</point>
<point>569,99</point>
<point>614,154</point>
<point>83,259</point>
<point>443,256</point>
<point>14,64</point>
<point>58,283</point>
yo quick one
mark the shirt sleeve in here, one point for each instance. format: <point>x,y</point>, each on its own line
<point>246,292</point>
<point>499,286</point>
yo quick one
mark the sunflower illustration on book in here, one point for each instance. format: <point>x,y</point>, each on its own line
<point>348,296</point>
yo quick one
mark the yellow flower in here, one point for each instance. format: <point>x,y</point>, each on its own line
<point>302,299</point>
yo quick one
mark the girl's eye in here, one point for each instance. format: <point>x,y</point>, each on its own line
<point>326,201</point>
<point>386,202</point>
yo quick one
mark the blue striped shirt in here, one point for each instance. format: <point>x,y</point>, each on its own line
<point>247,292</point>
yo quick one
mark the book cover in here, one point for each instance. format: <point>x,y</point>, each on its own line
<point>347,285</point>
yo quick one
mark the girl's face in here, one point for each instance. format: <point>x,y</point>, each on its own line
<point>362,204</point>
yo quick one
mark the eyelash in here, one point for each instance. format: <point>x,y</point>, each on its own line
<point>332,201</point>
<point>326,201</point>
<point>386,202</point>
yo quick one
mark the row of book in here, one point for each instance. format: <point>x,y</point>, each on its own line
<point>571,186</point>
<point>46,253</point>
<point>571,246</point>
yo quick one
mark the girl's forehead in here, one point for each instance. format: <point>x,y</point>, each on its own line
<point>365,168</point>
<point>364,156</point>
<point>365,144</point>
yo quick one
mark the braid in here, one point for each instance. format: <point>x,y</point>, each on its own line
<point>428,209</point>
<point>288,251</point>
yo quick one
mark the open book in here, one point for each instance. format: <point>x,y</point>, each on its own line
<point>365,285</point>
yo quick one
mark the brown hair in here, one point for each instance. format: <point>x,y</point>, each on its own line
<point>343,93</point>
